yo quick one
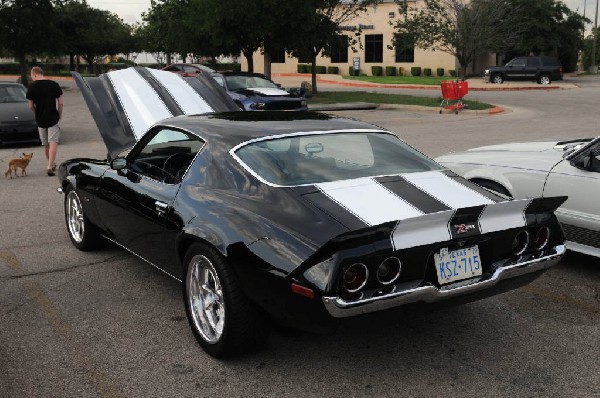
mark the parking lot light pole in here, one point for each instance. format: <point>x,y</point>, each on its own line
<point>594,68</point>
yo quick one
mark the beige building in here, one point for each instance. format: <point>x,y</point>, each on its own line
<point>376,35</point>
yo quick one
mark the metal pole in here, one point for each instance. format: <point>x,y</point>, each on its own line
<point>594,67</point>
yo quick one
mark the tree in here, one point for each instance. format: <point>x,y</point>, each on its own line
<point>462,28</point>
<point>27,29</point>
<point>548,27</point>
<point>164,30</point>
<point>317,27</point>
<point>237,26</point>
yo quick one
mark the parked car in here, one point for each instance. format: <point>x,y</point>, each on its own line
<point>541,69</point>
<point>17,121</point>
<point>253,91</point>
<point>548,168</point>
<point>188,70</point>
<point>300,217</point>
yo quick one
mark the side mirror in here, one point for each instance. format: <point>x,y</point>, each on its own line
<point>118,163</point>
<point>587,161</point>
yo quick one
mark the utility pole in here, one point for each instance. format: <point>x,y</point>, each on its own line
<point>594,68</point>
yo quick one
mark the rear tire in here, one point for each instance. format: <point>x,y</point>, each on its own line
<point>223,320</point>
<point>544,79</point>
<point>84,235</point>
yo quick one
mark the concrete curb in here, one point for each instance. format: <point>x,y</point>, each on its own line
<point>367,106</point>
<point>474,86</point>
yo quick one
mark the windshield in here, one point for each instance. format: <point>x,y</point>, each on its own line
<point>12,93</point>
<point>241,82</point>
<point>317,158</point>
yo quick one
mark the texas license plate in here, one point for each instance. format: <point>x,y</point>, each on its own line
<point>456,265</point>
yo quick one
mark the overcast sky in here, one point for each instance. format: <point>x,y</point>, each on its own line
<point>131,10</point>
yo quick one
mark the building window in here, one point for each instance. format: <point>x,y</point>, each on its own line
<point>339,49</point>
<point>405,48</point>
<point>278,56</point>
<point>373,48</point>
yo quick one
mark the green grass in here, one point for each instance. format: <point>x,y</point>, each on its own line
<point>334,97</point>
<point>421,80</point>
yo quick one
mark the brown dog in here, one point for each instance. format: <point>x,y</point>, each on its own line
<point>21,163</point>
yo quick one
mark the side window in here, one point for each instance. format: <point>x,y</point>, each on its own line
<point>173,68</point>
<point>595,154</point>
<point>533,62</point>
<point>167,156</point>
<point>190,69</point>
<point>518,62</point>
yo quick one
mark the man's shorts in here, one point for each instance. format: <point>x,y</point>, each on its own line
<point>50,134</point>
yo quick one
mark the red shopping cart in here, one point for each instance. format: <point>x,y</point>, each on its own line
<point>453,93</point>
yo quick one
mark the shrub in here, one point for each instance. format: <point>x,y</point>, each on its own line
<point>400,71</point>
<point>321,69</point>
<point>440,72</point>
<point>415,71</point>
<point>333,70</point>
<point>376,70</point>
<point>452,72</point>
<point>353,72</point>
<point>300,68</point>
<point>427,71</point>
<point>390,71</point>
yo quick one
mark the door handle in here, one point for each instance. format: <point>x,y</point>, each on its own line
<point>161,207</point>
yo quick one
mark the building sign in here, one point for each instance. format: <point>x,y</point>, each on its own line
<point>356,63</point>
<point>353,28</point>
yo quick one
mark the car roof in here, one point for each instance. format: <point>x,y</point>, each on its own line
<point>233,128</point>
<point>243,74</point>
<point>199,66</point>
<point>11,84</point>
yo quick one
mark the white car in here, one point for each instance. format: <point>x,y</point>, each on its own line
<point>547,168</point>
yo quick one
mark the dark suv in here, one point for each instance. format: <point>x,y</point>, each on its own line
<point>541,69</point>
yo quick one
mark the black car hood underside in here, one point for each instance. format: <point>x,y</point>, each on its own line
<point>127,102</point>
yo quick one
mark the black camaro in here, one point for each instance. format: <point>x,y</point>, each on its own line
<point>301,217</point>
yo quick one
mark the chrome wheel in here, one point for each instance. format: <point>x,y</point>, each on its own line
<point>75,220</point>
<point>497,79</point>
<point>544,79</point>
<point>205,299</point>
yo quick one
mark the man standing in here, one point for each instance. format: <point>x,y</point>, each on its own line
<point>45,100</point>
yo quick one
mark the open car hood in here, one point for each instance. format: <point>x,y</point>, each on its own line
<point>127,102</point>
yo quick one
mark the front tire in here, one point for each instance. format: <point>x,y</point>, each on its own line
<point>223,320</point>
<point>497,78</point>
<point>84,235</point>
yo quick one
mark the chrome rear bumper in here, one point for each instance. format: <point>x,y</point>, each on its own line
<point>340,308</point>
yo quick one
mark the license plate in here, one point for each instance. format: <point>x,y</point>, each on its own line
<point>456,265</point>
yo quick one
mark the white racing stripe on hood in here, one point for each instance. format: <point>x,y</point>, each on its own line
<point>141,103</point>
<point>446,190</point>
<point>186,97</point>
<point>503,215</point>
<point>268,91</point>
<point>368,200</point>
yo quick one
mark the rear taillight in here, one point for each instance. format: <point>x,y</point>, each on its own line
<point>355,277</point>
<point>389,270</point>
<point>541,238</point>
<point>520,242</point>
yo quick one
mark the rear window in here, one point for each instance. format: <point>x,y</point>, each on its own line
<point>316,158</point>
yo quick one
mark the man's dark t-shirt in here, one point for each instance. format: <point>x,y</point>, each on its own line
<point>44,93</point>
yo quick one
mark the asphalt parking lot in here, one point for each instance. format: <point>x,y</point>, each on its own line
<point>105,324</point>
